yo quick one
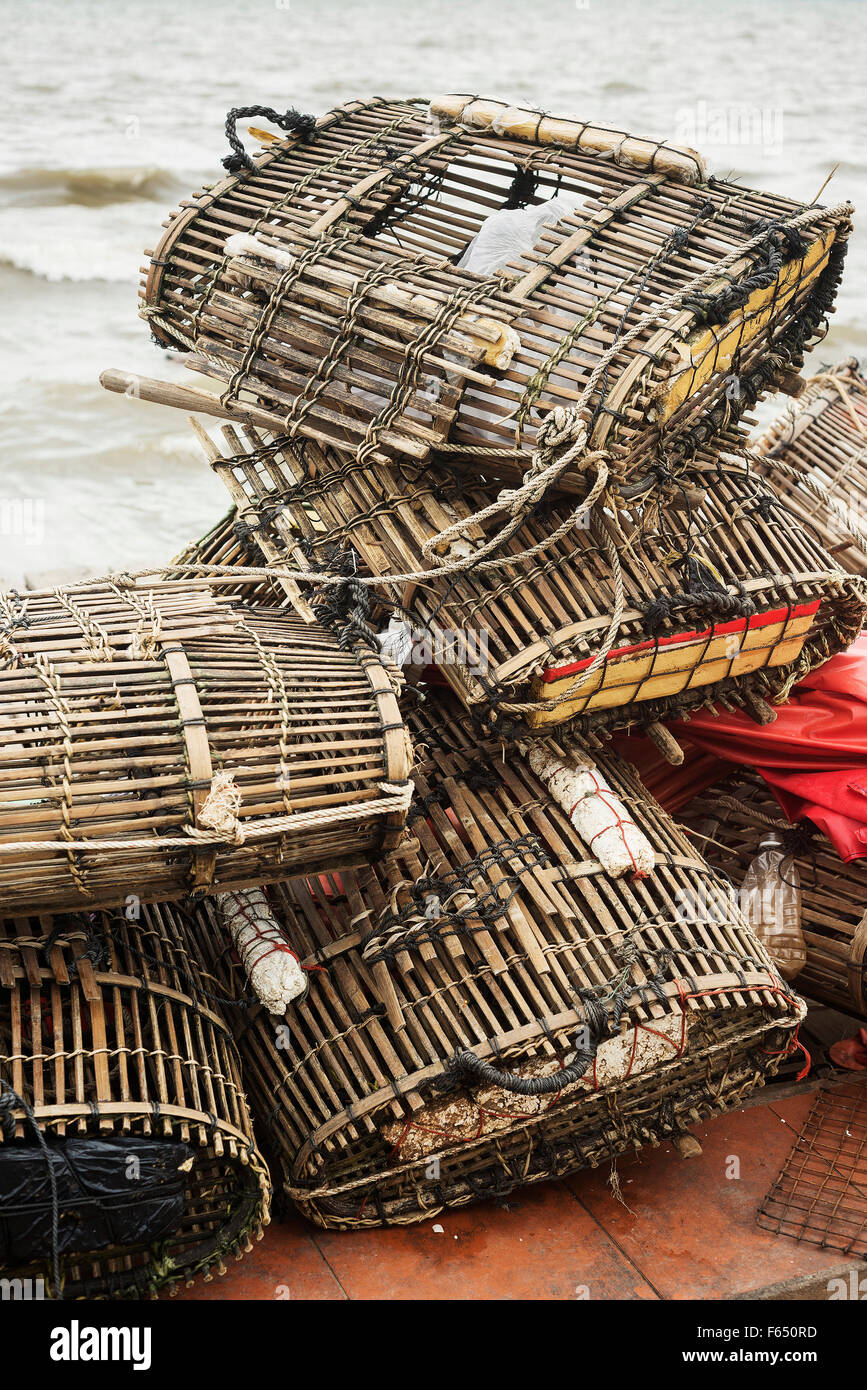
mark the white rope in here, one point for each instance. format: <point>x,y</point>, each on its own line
<point>257,830</point>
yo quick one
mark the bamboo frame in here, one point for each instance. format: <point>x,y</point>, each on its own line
<point>550,612</point>
<point>135,717</point>
<point>815,454</point>
<point>355,326</point>
<point>394,992</point>
<point>109,1029</point>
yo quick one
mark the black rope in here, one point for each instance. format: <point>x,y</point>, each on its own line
<point>292,121</point>
<point>9,1102</point>
<point>783,244</point>
<point>244,529</point>
<point>421,805</point>
<point>466,1064</point>
<point>798,840</point>
<point>765,505</point>
<point>409,926</point>
<point>114,929</point>
<point>345,608</point>
<point>418,184</point>
<point>704,601</point>
<point>18,618</point>
<point>522,188</point>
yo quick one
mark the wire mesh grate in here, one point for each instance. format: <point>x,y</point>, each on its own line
<point>820,1195</point>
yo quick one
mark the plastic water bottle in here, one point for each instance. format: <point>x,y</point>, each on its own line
<point>771,903</point>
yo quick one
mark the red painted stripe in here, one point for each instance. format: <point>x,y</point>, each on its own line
<point>759,620</point>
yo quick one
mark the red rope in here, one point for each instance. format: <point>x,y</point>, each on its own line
<point>275,947</point>
<point>620,821</point>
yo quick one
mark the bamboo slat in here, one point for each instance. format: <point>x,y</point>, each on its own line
<point>343,310</point>
<point>816,456</point>
<point>159,738</point>
<point>493,929</point>
<point>723,590</point>
<point>110,1030</point>
<point>228,543</point>
<point>734,815</point>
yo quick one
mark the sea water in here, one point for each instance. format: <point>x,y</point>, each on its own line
<point>113,110</point>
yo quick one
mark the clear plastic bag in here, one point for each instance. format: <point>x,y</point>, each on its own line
<point>509,232</point>
<point>771,903</point>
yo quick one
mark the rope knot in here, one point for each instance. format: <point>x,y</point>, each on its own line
<point>218,817</point>
<point>559,428</point>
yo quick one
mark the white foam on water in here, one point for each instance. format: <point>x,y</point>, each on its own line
<point>116,110</point>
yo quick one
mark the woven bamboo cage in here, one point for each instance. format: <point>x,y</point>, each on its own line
<point>340,311</point>
<point>119,1074</point>
<point>228,544</point>
<point>735,815</point>
<point>158,739</point>
<point>709,585</point>
<point>494,938</point>
<point>816,456</point>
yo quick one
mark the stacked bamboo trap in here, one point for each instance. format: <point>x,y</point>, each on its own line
<point>815,454</point>
<point>382,393</point>
<point>159,739</point>
<point>730,820</point>
<point>339,311</point>
<point>489,1005</point>
<point>534,476</point>
<point>119,1076</point>
<point>712,586</point>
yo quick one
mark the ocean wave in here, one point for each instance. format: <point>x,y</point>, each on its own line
<point>92,188</point>
<point>619,87</point>
<point>71,262</point>
<point>73,242</point>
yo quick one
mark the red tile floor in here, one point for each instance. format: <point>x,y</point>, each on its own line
<point>690,1232</point>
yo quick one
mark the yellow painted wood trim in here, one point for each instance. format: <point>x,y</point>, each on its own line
<point>707,354</point>
<point>671,670</point>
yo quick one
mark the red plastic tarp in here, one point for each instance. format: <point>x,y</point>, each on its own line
<point>814,755</point>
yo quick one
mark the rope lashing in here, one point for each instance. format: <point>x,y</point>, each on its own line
<point>292,121</point>
<point>219,814</point>
<point>345,607</point>
<point>716,308</point>
<point>395,798</point>
<point>522,188</point>
<point>855,582</point>
<point>243,529</point>
<point>465,899</point>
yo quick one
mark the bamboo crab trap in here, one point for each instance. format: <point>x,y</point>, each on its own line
<point>228,545</point>
<point>158,740</point>
<point>492,1004</point>
<point>816,456</point>
<point>327,285</point>
<point>557,623</point>
<point>735,815</point>
<point>122,1115</point>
